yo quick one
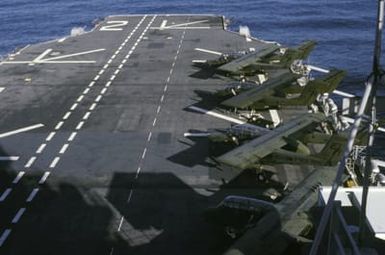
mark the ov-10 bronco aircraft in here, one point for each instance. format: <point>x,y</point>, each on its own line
<point>250,63</point>
<point>285,90</point>
<point>287,144</point>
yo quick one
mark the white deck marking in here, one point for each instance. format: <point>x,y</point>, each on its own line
<point>66,115</point>
<point>80,125</point>
<point>59,125</point>
<point>1,89</point>
<point>103,91</point>
<point>32,195</point>
<point>50,136</point>
<point>144,153</point>
<point>54,162</point>
<point>20,130</point>
<point>124,61</point>
<point>64,148</point>
<point>92,107</point>
<point>18,177</point>
<point>105,66</point>
<point>101,72</point>
<point>86,115</point>
<point>4,236</point>
<point>108,84</point>
<point>86,91</point>
<point>154,122</point>
<point>120,223</point>
<point>209,51</point>
<point>199,61</point>
<point>130,196</point>
<point>98,98</point>
<point>120,66</point>
<point>149,136</point>
<point>275,117</point>
<point>72,55</point>
<point>117,71</point>
<point>112,77</point>
<point>18,215</point>
<point>30,162</point>
<point>137,172</point>
<point>183,25</point>
<point>41,148</point>
<point>73,107</point>
<point>41,56</point>
<point>5,194</point>
<point>217,115</point>
<point>344,94</point>
<point>96,77</point>
<point>92,83</point>
<point>9,158</point>
<point>62,39</point>
<point>165,88</point>
<point>109,61</point>
<point>80,98</point>
<point>158,109</point>
<point>162,98</point>
<point>163,25</point>
<point>44,177</point>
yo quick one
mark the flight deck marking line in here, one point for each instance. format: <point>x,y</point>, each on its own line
<point>101,72</point>
<point>4,236</point>
<point>5,194</point>
<point>41,148</point>
<point>20,130</point>
<point>72,137</point>
<point>130,196</point>
<point>59,125</point>
<point>73,107</point>
<point>218,115</point>
<point>50,136</point>
<point>54,162</point>
<point>80,98</point>
<point>209,51</point>
<point>86,115</point>
<point>1,89</point>
<point>85,91</point>
<point>30,162</point>
<point>181,26</point>
<point>32,195</point>
<point>63,148</point>
<point>80,125</point>
<point>18,215</point>
<point>66,115</point>
<point>18,177</point>
<point>120,223</point>
<point>9,158</point>
<point>44,177</point>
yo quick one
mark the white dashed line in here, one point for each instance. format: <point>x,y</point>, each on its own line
<point>124,61</point>
<point>158,110</point>
<point>113,56</point>
<point>50,136</point>
<point>98,98</point>
<point>73,107</point>
<point>64,148</point>
<point>109,61</point>
<point>105,66</point>
<point>149,137</point>
<point>18,215</point>
<point>86,91</point>
<point>168,79</point>
<point>162,98</point>
<point>4,236</point>
<point>117,71</point>
<point>44,177</point>
<point>80,98</point>
<point>30,162</point>
<point>120,223</point>
<point>137,172</point>
<point>32,195</point>
<point>154,122</point>
<point>18,177</point>
<point>130,196</point>
<point>41,148</point>
<point>120,66</point>
<point>108,84</point>
<point>101,72</point>
<point>96,77</point>
<point>112,77</point>
<point>92,83</point>
<point>54,162</point>
<point>80,125</point>
<point>59,125</point>
<point>1,89</point>
<point>72,136</point>
<point>5,194</point>
<point>144,153</point>
<point>92,107</point>
<point>66,115</point>
<point>86,115</point>
<point>165,88</point>
<point>103,91</point>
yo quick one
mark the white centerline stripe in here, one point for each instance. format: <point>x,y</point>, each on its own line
<point>73,107</point>
<point>80,98</point>
<point>96,77</point>
<point>66,115</point>
<point>72,136</point>
<point>92,107</point>
<point>41,148</point>
<point>105,66</point>
<point>58,126</point>
<point>18,177</point>
<point>120,223</point>
<point>79,126</point>
<point>86,90</point>
<point>117,71</point>
<point>30,162</point>
<point>20,130</point>
<point>144,153</point>
<point>154,122</point>
<point>18,215</point>
<point>32,195</point>
<point>130,196</point>
<point>5,194</point>
<point>44,177</point>
<point>86,116</point>
<point>50,136</point>
<point>112,77</point>
<point>108,84</point>
<point>103,91</point>
<point>63,148</point>
<point>54,162</point>
<point>149,137</point>
<point>9,158</point>
<point>101,72</point>
<point>4,236</point>
<point>92,83</point>
<point>98,98</point>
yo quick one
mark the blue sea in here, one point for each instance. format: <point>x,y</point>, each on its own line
<point>344,29</point>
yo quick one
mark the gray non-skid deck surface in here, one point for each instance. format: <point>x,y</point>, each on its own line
<point>122,179</point>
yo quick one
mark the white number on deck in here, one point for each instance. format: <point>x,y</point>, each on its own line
<point>116,25</point>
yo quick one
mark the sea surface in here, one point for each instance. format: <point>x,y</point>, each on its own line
<point>344,29</point>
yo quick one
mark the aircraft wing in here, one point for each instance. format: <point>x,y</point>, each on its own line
<point>256,94</point>
<point>248,59</point>
<point>246,155</point>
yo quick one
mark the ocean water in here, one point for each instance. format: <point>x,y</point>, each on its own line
<point>344,29</point>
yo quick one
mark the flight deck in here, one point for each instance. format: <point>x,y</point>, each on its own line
<point>93,154</point>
